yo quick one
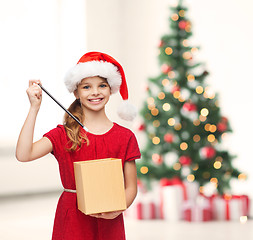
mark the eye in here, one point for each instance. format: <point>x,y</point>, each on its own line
<point>86,87</point>
<point>103,85</point>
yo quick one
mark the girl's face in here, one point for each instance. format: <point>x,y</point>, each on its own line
<point>93,92</point>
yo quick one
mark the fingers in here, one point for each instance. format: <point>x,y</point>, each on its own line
<point>34,88</point>
<point>98,215</point>
<point>34,92</point>
<point>107,215</point>
<point>34,81</point>
<point>110,215</point>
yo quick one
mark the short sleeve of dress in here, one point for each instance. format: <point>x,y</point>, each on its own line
<point>133,151</point>
<point>57,138</point>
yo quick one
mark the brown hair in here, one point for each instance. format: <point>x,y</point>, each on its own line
<point>77,137</point>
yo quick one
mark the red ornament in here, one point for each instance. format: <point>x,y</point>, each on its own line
<point>141,127</point>
<point>185,160</point>
<point>168,137</point>
<point>166,68</point>
<point>224,119</point>
<point>222,127</point>
<point>189,107</point>
<point>139,183</point>
<point>157,159</point>
<point>182,24</point>
<point>175,89</point>
<point>160,44</point>
<point>208,152</point>
<point>146,87</point>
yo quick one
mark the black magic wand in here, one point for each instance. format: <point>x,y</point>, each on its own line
<point>68,112</point>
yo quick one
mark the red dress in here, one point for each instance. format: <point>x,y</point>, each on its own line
<point>70,223</point>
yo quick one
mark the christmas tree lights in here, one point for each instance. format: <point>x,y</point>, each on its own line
<point>182,118</point>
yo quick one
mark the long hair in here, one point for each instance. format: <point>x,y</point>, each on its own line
<point>77,138</point>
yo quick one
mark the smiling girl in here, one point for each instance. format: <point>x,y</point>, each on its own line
<point>95,77</point>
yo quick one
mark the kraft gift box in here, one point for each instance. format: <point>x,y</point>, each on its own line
<point>100,185</point>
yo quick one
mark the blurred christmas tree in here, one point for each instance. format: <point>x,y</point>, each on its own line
<point>182,118</point>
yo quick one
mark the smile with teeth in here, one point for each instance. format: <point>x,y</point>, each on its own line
<point>96,100</point>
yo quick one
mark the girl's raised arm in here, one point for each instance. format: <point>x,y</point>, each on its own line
<point>26,149</point>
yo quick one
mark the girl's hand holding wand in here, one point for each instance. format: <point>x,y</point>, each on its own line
<point>34,93</point>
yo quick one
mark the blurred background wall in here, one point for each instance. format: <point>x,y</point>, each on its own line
<point>43,39</point>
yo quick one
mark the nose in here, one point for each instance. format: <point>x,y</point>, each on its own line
<point>95,91</point>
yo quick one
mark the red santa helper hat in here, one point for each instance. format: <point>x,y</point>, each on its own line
<point>100,64</point>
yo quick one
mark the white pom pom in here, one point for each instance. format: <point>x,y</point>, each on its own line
<point>127,111</point>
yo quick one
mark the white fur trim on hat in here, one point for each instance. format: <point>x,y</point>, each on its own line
<point>127,111</point>
<point>91,69</point>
